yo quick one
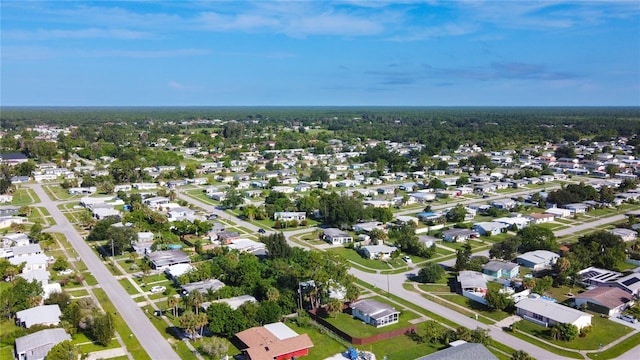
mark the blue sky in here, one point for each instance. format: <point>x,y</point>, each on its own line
<point>298,53</point>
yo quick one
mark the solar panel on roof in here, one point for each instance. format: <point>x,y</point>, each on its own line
<point>631,281</point>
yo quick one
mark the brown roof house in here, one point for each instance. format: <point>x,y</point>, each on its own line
<point>604,300</point>
<point>274,341</point>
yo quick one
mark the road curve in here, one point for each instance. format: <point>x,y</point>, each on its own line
<point>393,283</point>
<point>156,346</point>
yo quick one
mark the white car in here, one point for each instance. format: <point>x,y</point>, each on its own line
<point>157,289</point>
<point>406,259</point>
<point>65,272</point>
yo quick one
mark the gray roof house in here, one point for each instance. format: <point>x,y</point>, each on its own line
<point>463,351</point>
<point>538,259</point>
<point>165,258</point>
<point>374,312</point>
<point>548,313</point>
<point>336,236</point>
<point>36,346</point>
<point>44,315</point>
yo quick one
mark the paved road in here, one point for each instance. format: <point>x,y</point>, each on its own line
<point>394,285</point>
<point>148,336</point>
<point>633,354</point>
<point>589,225</point>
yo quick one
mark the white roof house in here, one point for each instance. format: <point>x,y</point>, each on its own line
<point>548,313</point>
<point>45,315</point>
<point>378,251</point>
<point>538,259</point>
<point>36,346</point>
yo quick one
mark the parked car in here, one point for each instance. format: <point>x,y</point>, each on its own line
<point>212,217</point>
<point>65,272</point>
<point>158,289</point>
<point>406,259</point>
<point>261,231</point>
<point>627,318</point>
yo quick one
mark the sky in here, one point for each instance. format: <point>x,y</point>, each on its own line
<point>319,53</point>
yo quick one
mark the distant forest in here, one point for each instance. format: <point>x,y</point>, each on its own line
<point>439,129</point>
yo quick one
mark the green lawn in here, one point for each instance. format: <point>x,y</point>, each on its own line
<point>324,346</point>
<point>132,344</point>
<point>618,349</point>
<point>475,306</point>
<point>357,328</point>
<point>126,284</point>
<point>603,331</point>
<point>352,255</point>
<point>24,197</point>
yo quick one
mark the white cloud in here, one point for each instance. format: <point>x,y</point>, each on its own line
<point>89,33</point>
<point>176,85</point>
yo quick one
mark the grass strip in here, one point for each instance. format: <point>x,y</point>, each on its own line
<point>131,342</point>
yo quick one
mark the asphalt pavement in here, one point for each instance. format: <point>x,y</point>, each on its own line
<point>149,337</point>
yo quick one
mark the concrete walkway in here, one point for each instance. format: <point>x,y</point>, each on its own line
<point>106,354</point>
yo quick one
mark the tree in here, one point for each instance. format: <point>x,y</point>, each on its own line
<point>457,214</point>
<point>232,199</point>
<point>536,237</point>
<point>65,350</point>
<point>61,298</point>
<point>506,249</point>
<point>565,331</point>
<point>214,347</point>
<point>601,249</point>
<point>334,307</point>
<point>172,303</point>
<point>497,300</point>
<point>60,264</point>
<point>277,246</point>
<point>194,300</point>
<point>431,273</point>
<point>463,256</point>
<point>102,329</point>
<point>521,355</point>
<point>189,322</point>
<point>319,173</point>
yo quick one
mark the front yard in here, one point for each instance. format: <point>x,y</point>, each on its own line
<point>603,332</point>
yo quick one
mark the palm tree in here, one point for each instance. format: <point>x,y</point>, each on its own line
<point>273,294</point>
<point>195,299</point>
<point>172,302</point>
<point>334,307</point>
<point>188,322</point>
<point>201,321</point>
<point>133,256</point>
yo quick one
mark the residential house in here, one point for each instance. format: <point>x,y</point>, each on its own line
<point>31,262</point>
<point>558,213</point>
<point>164,258</point>
<point>36,346</point>
<point>377,251</point>
<point>427,240</point>
<point>9,210</point>
<point>577,208</point>
<point>604,300</point>
<point>7,221</point>
<point>374,312</point>
<point>501,269</point>
<point>461,350</point>
<point>5,198</point>
<point>368,227</point>
<point>202,286</point>
<point>489,228</point>
<point>537,218</point>
<point>629,283</point>
<point>273,341</point>
<point>473,285</point>
<point>155,203</point>
<point>336,236</point>
<point>173,272</point>
<point>506,204</point>
<point>624,234</point>
<point>39,315</point>
<point>548,313</point>
<point>458,235</point>
<point>289,215</point>
<point>593,276</point>
<point>538,260</point>
<point>226,237</point>
<point>514,222</point>
<point>26,250</point>
<point>246,245</point>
